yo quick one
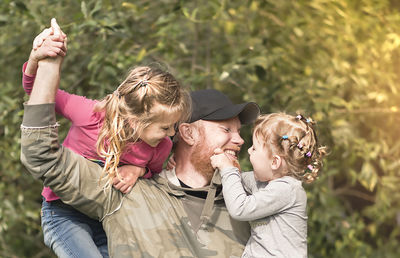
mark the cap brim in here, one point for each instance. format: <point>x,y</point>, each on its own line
<point>247,113</point>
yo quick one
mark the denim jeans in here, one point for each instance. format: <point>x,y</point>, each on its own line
<point>70,233</point>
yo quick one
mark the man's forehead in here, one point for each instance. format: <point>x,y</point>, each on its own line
<point>231,121</point>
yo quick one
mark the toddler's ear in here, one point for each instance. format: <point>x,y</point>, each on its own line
<point>276,162</point>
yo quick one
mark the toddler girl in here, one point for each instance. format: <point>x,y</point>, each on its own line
<point>284,154</point>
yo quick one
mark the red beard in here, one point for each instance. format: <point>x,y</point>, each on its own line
<point>200,160</point>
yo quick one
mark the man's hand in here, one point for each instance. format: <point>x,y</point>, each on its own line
<point>47,77</point>
<point>220,160</point>
<point>53,30</point>
<point>129,175</point>
<point>51,47</point>
<point>47,44</point>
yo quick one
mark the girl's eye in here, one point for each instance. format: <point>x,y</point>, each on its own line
<point>165,128</point>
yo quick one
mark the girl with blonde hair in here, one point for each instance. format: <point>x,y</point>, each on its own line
<point>130,126</point>
<point>284,154</point>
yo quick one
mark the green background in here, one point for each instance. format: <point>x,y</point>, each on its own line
<point>336,61</point>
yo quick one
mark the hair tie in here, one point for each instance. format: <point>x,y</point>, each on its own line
<point>141,83</point>
<point>299,117</point>
<point>285,137</point>
<point>308,154</point>
<point>300,146</point>
<point>310,167</point>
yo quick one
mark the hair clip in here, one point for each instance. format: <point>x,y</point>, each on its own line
<point>285,137</point>
<point>308,154</point>
<point>299,117</point>
<point>310,167</point>
<point>308,120</point>
<point>300,146</point>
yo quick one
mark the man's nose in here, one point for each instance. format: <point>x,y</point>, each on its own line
<point>237,139</point>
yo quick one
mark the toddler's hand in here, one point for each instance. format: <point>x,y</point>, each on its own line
<point>129,174</point>
<point>220,160</point>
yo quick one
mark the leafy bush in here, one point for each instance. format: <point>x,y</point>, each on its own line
<point>336,61</point>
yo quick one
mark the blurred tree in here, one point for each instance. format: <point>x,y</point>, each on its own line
<point>337,61</point>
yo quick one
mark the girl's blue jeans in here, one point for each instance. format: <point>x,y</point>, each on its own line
<point>70,233</point>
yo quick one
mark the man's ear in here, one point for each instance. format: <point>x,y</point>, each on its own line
<point>186,133</point>
<point>276,162</point>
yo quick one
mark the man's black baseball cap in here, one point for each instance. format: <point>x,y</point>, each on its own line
<point>213,105</point>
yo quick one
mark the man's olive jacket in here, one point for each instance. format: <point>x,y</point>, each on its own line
<point>156,219</point>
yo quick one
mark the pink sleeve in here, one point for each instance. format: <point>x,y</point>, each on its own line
<point>27,81</point>
<point>75,108</point>
<point>161,154</point>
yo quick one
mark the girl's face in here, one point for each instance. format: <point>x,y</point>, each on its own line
<point>158,130</point>
<point>261,160</point>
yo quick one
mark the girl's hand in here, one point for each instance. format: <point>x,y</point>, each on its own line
<point>220,160</point>
<point>129,174</point>
<point>171,162</point>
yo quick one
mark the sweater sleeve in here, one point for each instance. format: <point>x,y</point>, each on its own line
<point>275,197</point>
<point>73,178</point>
<point>27,81</point>
<point>75,108</point>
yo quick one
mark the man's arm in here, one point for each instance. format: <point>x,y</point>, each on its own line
<point>47,81</point>
<point>68,174</point>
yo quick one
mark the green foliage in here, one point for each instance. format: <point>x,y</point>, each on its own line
<point>336,61</point>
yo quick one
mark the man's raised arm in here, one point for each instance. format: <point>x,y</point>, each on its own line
<point>48,75</point>
<point>73,178</point>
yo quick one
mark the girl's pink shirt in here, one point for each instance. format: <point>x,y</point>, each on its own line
<point>84,130</point>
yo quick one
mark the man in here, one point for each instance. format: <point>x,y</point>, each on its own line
<point>178,213</point>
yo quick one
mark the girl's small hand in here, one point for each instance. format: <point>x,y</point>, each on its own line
<point>129,174</point>
<point>220,160</point>
<point>171,163</point>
